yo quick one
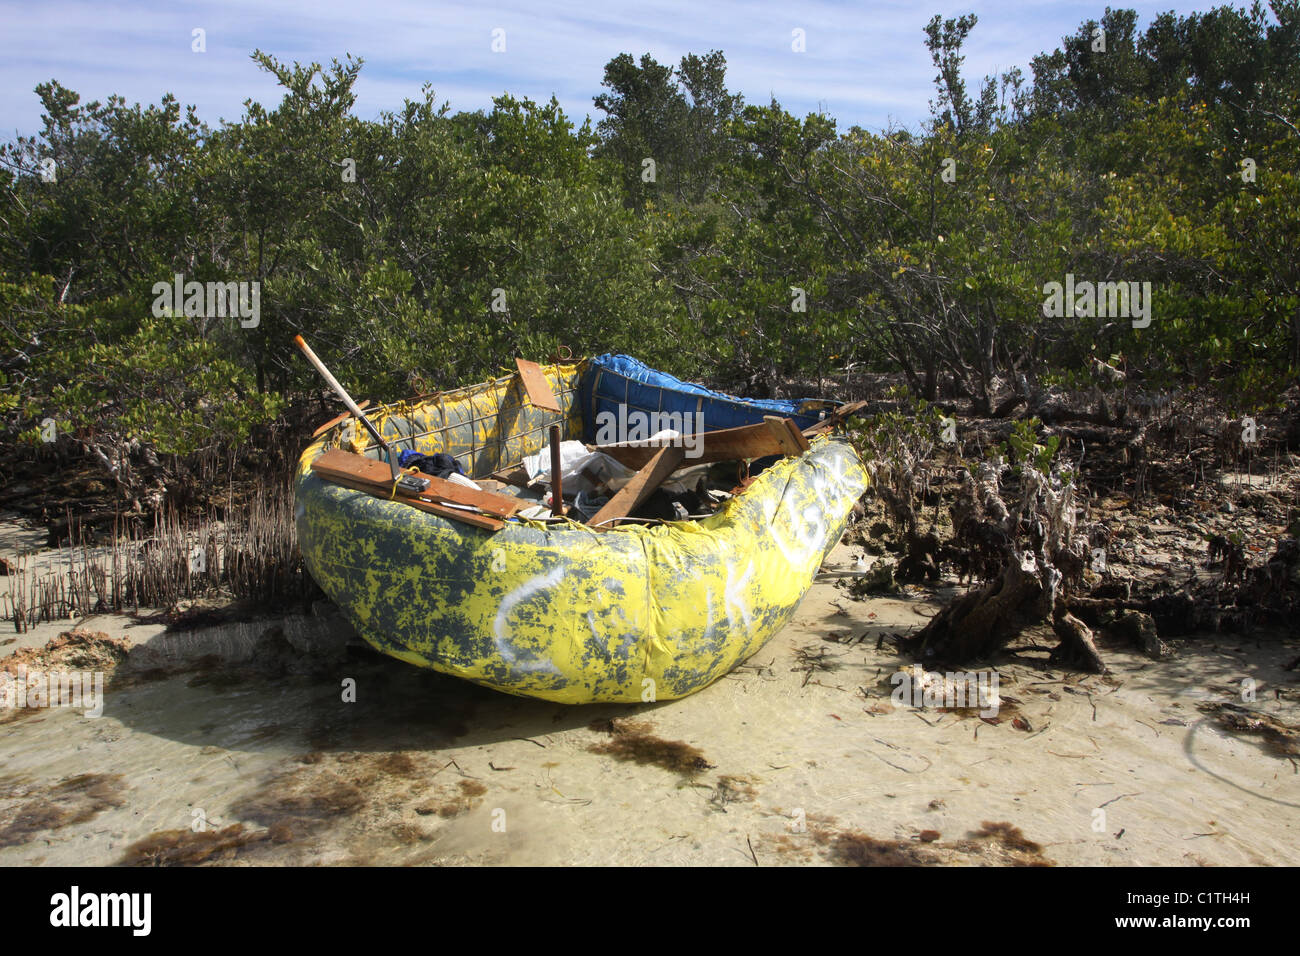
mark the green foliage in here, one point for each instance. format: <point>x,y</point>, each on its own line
<point>429,248</point>
<point>165,385</point>
<point>676,118</point>
<point>105,377</point>
<point>903,437</point>
<point>1025,449</point>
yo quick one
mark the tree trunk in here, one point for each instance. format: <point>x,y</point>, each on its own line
<point>980,623</point>
<point>931,378</point>
<point>1029,589</point>
<point>1076,645</point>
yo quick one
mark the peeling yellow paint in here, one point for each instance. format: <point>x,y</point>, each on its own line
<point>639,612</point>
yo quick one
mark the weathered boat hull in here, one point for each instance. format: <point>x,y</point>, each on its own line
<point>568,614</point>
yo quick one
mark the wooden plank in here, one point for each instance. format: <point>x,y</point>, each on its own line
<point>536,387</point>
<point>645,481</point>
<point>337,463</point>
<point>516,476</point>
<point>338,418</point>
<point>782,435</point>
<point>837,417</point>
<point>727,444</point>
<point>798,437</point>
<point>358,467</point>
<point>486,522</point>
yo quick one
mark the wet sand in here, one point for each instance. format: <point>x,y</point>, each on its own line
<point>798,757</point>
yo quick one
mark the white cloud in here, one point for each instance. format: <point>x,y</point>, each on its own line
<point>865,62</point>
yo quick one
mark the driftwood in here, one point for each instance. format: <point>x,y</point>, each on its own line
<point>1076,645</point>
<point>980,621</point>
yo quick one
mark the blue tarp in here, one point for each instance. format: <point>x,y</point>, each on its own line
<point>614,380</point>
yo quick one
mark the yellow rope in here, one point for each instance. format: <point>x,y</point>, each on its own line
<point>392,495</point>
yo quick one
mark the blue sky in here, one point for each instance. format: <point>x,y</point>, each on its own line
<point>865,63</point>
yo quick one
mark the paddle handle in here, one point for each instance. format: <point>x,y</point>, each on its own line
<point>342,393</point>
<point>557,489</point>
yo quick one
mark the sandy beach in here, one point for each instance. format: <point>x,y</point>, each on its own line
<point>235,745</point>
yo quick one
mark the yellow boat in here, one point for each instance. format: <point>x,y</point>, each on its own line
<point>555,609</point>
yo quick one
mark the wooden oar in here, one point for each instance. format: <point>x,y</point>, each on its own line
<point>352,406</point>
